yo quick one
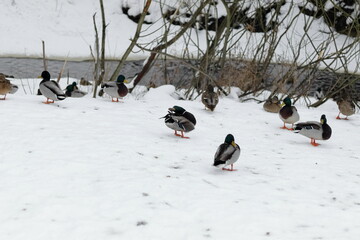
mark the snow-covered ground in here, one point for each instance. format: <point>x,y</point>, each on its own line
<point>93,169</point>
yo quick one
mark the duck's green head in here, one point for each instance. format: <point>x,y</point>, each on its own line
<point>74,84</point>
<point>45,75</point>
<point>230,140</point>
<point>121,79</point>
<point>323,119</point>
<point>177,109</point>
<point>287,101</point>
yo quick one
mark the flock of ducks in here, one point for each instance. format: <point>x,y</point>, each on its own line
<point>311,129</point>
<point>52,91</point>
<point>228,152</point>
<point>182,121</point>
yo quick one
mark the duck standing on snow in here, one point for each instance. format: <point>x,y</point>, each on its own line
<point>272,105</point>
<point>115,89</point>
<point>346,107</point>
<point>288,114</point>
<point>210,98</point>
<point>181,120</point>
<point>50,89</point>
<point>6,86</point>
<point>73,91</point>
<point>227,153</point>
<point>314,130</point>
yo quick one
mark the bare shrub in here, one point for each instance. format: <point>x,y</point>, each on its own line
<point>244,76</point>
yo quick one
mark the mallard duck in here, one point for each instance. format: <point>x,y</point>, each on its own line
<point>227,153</point>
<point>181,120</point>
<point>116,89</point>
<point>50,89</point>
<point>314,130</point>
<point>272,105</point>
<point>5,86</point>
<point>210,98</point>
<point>73,91</point>
<point>346,107</point>
<point>288,114</point>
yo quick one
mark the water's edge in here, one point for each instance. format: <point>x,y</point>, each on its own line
<point>169,72</point>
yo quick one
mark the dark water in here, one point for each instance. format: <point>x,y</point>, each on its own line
<point>32,68</point>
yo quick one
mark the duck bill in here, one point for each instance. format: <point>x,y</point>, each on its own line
<point>233,144</point>
<point>126,81</point>
<point>171,109</point>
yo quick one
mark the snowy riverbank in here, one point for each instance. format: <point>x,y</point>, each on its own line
<point>92,169</point>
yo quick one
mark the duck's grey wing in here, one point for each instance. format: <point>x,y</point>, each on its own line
<point>111,89</point>
<point>185,124</point>
<point>224,152</point>
<point>54,87</point>
<point>308,125</point>
<point>108,85</point>
<point>78,93</point>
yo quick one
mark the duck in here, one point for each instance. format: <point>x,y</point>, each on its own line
<point>346,107</point>
<point>210,98</point>
<point>272,105</point>
<point>14,88</point>
<point>227,153</point>
<point>5,86</point>
<point>73,91</point>
<point>115,89</point>
<point>314,130</point>
<point>181,120</point>
<point>50,89</point>
<point>288,114</point>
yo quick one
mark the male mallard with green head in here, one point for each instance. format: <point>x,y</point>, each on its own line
<point>272,105</point>
<point>50,89</point>
<point>346,107</point>
<point>115,89</point>
<point>227,153</point>
<point>210,98</point>
<point>314,130</point>
<point>73,91</point>
<point>181,120</point>
<point>288,114</point>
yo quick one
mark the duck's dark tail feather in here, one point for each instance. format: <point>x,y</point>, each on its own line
<point>61,97</point>
<point>218,162</point>
<point>297,129</point>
